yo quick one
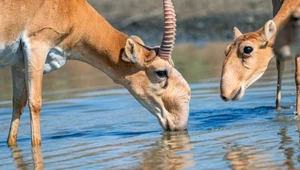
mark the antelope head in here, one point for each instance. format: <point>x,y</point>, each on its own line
<point>154,81</point>
<point>246,60</point>
<point>288,39</point>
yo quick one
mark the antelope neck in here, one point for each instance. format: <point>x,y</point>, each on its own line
<point>284,12</point>
<point>101,46</point>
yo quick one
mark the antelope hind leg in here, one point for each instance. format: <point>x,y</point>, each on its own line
<point>280,68</point>
<point>19,102</point>
<point>297,82</point>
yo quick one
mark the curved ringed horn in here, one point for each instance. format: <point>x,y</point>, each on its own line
<point>168,41</point>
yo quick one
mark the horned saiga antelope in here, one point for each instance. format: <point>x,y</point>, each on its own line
<point>38,36</point>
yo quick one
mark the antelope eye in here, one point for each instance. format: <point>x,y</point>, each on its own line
<point>248,49</point>
<point>161,73</point>
<point>294,18</point>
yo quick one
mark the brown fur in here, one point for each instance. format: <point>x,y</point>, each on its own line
<point>240,70</point>
<point>75,27</point>
<point>287,46</point>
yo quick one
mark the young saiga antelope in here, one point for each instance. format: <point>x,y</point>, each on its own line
<point>38,36</point>
<point>248,56</point>
<point>287,45</point>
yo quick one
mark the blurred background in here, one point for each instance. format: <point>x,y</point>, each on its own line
<point>197,20</point>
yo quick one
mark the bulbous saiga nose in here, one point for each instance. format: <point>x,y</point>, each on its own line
<point>224,98</point>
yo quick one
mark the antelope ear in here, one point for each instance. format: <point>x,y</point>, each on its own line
<point>131,52</point>
<point>137,39</point>
<point>268,31</point>
<point>236,33</point>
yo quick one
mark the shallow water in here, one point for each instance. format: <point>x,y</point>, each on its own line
<point>90,123</point>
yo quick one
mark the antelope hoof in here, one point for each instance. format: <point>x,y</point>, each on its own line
<point>11,142</point>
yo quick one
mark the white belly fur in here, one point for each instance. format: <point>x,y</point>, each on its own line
<point>13,55</point>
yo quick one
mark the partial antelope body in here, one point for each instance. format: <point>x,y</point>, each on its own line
<point>248,56</point>
<point>38,36</point>
<point>287,45</point>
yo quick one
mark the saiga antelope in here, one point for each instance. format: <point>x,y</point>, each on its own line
<point>248,56</point>
<point>287,45</point>
<point>38,36</point>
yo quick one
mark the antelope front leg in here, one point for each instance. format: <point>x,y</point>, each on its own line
<point>280,68</point>
<point>297,81</point>
<point>35,57</point>
<point>19,102</point>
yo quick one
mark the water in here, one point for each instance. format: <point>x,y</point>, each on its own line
<point>88,122</point>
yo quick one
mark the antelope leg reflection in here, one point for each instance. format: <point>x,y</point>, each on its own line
<point>37,159</point>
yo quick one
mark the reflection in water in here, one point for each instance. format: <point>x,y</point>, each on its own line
<point>249,157</point>
<point>286,146</point>
<point>37,159</point>
<point>18,158</point>
<point>171,152</point>
<point>242,157</point>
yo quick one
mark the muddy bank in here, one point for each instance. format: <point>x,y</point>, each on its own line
<point>197,20</point>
